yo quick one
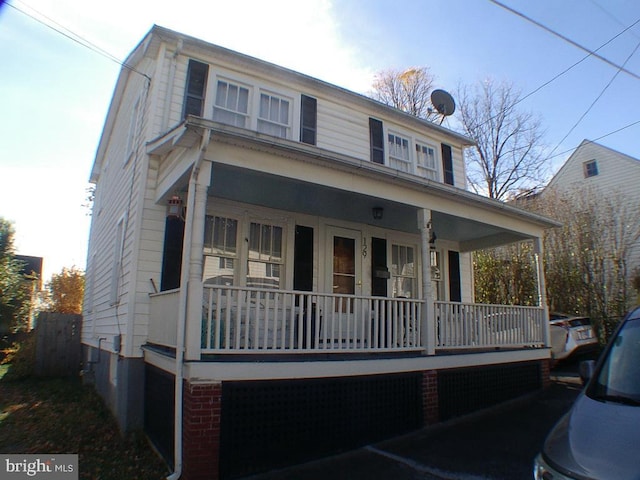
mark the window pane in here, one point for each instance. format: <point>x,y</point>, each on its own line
<point>221,94</point>
<point>243,101</point>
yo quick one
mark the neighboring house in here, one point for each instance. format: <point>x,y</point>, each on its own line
<point>295,258</point>
<point>599,171</point>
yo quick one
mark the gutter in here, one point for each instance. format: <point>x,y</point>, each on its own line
<point>182,310</point>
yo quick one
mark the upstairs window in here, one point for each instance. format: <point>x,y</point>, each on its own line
<point>590,168</point>
<point>308,119</point>
<point>447,164</point>
<point>399,154</point>
<point>232,104</point>
<point>273,118</point>
<point>194,92</point>
<point>426,165</point>
<point>376,138</point>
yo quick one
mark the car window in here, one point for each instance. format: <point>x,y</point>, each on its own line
<point>619,377</point>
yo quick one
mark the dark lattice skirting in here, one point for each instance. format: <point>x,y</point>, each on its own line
<point>269,424</point>
<point>463,391</point>
<point>159,400</point>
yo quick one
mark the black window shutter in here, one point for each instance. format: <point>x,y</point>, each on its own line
<point>172,253</point>
<point>194,92</point>
<point>447,164</point>
<point>308,119</point>
<point>455,290</point>
<point>377,141</point>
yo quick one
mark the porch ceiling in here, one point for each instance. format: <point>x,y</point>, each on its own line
<point>292,195</point>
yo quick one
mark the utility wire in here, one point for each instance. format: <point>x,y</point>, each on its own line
<point>64,31</point>
<point>568,40</point>
<point>615,75</point>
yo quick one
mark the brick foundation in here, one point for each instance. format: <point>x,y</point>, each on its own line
<point>201,431</point>
<point>430,397</point>
<point>545,373</point>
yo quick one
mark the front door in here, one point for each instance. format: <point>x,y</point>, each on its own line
<point>345,272</point>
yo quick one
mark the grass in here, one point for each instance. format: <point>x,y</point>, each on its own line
<point>60,415</point>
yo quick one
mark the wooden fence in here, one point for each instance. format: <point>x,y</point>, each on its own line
<point>58,351</point>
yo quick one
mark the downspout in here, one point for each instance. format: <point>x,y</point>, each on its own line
<point>182,310</point>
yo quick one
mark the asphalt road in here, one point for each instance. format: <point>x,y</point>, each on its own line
<point>497,444</point>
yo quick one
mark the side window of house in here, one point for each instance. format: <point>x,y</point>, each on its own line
<point>232,104</point>
<point>426,165</point>
<point>376,138</point>
<point>399,152</point>
<point>265,262</point>
<point>135,125</point>
<point>403,271</point>
<point>590,168</point>
<point>220,250</point>
<point>194,92</point>
<point>308,119</point>
<point>447,164</point>
<point>273,117</point>
<point>116,270</point>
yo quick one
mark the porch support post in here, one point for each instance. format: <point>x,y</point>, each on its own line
<point>538,250</point>
<point>428,316</point>
<point>195,286</point>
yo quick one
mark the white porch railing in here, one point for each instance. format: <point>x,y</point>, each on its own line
<point>470,325</point>
<point>254,320</point>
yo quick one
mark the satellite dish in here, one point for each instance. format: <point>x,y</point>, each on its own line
<point>443,102</point>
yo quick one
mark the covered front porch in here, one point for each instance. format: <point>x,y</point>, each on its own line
<point>288,252</point>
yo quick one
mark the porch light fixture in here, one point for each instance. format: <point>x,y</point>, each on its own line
<point>432,238</point>
<point>377,213</point>
<point>174,207</point>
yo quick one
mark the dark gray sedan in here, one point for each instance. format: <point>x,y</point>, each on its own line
<point>599,437</point>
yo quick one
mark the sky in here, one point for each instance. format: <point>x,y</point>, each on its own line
<point>55,92</point>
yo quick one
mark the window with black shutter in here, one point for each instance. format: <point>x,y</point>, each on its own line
<point>194,93</point>
<point>308,119</point>
<point>377,141</point>
<point>447,164</point>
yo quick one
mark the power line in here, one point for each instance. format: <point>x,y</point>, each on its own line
<point>596,99</point>
<point>64,31</point>
<point>568,40</point>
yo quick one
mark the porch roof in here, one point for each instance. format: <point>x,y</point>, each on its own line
<point>307,195</point>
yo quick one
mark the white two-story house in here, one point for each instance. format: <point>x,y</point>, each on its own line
<point>280,269</point>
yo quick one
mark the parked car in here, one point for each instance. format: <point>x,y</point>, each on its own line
<point>599,437</point>
<point>570,336</point>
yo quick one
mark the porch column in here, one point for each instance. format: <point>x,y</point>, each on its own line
<point>194,285</point>
<point>538,250</point>
<point>428,320</point>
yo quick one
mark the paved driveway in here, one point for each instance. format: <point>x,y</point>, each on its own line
<point>499,444</point>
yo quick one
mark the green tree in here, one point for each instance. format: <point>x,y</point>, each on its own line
<point>14,291</point>
<point>66,291</point>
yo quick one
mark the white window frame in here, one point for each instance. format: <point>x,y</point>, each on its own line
<point>223,254</point>
<point>272,124</point>
<point>228,110</point>
<point>400,276</point>
<point>267,259</point>
<point>422,169</point>
<point>118,254</point>
<point>396,158</point>
<point>135,124</point>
